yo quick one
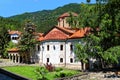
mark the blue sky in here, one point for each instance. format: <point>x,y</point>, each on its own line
<point>14,7</point>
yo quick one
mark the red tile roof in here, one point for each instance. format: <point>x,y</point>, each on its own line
<point>60,33</point>
<point>40,38</point>
<point>15,32</point>
<point>81,33</point>
<point>13,50</point>
<point>56,34</point>
<point>66,30</point>
<point>78,34</point>
<point>67,14</point>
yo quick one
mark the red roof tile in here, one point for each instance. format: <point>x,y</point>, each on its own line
<point>15,32</point>
<point>13,50</point>
<point>81,33</point>
<point>59,33</point>
<point>67,15</point>
<point>78,34</point>
<point>55,34</point>
<point>66,30</point>
<point>40,38</point>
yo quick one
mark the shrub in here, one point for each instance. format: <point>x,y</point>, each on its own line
<point>49,67</point>
<point>40,72</point>
<point>58,69</point>
<point>69,74</point>
<point>63,74</point>
<point>60,74</point>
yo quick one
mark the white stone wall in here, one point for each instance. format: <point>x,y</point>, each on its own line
<point>63,23</point>
<point>70,53</point>
<point>54,53</point>
<point>14,35</point>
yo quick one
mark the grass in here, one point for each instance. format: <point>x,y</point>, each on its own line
<point>26,71</point>
<point>29,72</point>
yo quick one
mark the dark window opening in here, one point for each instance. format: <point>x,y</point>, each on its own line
<point>43,48</point>
<point>38,47</point>
<point>71,47</point>
<point>61,47</point>
<point>54,47</point>
<point>61,60</point>
<point>63,22</point>
<point>12,38</point>
<point>71,60</point>
<point>15,38</point>
<point>47,59</point>
<point>47,47</point>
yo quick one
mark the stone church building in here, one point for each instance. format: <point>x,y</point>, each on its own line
<point>55,46</point>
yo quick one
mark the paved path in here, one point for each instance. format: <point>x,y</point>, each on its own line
<point>102,76</point>
<point>6,62</point>
<point>98,76</point>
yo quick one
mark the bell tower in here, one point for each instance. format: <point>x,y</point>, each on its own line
<point>62,20</point>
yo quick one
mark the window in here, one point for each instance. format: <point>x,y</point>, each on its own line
<point>54,47</point>
<point>71,60</point>
<point>63,22</point>
<point>71,47</point>
<point>61,60</point>
<point>15,38</point>
<point>47,47</point>
<point>38,47</point>
<point>43,48</point>
<point>12,38</point>
<point>47,59</point>
<point>61,47</point>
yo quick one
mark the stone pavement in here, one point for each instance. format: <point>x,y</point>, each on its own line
<point>7,62</point>
<point>100,76</point>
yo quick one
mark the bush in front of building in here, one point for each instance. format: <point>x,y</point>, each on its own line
<point>41,72</point>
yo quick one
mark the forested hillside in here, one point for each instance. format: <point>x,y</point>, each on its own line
<point>9,24</point>
<point>46,19</point>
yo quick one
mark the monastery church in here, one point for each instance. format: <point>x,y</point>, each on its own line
<point>56,46</point>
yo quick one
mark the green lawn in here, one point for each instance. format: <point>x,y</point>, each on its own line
<point>29,72</point>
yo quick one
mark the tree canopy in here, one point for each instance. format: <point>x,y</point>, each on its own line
<point>103,43</point>
<point>27,41</point>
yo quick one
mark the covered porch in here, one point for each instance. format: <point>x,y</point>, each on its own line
<point>15,56</point>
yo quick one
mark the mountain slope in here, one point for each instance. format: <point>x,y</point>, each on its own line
<point>45,19</point>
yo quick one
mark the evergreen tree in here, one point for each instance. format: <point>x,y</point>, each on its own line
<point>27,42</point>
<point>4,40</point>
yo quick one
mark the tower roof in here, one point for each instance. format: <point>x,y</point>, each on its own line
<point>67,14</point>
